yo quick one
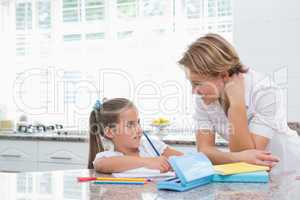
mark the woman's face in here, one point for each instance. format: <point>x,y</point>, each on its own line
<point>128,131</point>
<point>208,87</point>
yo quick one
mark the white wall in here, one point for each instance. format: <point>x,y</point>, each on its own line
<point>267,37</point>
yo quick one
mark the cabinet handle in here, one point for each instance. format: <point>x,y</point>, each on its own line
<point>10,156</point>
<point>9,171</point>
<point>60,158</point>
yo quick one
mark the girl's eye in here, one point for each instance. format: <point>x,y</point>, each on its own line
<point>133,124</point>
<point>129,125</point>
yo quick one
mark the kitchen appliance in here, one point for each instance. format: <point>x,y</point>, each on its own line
<point>41,128</point>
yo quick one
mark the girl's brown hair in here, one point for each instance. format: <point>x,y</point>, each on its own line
<point>211,55</point>
<point>103,116</point>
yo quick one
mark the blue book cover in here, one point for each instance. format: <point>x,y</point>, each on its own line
<point>191,167</point>
<point>192,171</point>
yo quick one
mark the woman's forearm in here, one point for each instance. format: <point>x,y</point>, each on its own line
<point>218,157</point>
<point>240,137</point>
<point>171,152</point>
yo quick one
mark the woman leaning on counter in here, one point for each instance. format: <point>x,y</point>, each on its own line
<point>241,105</point>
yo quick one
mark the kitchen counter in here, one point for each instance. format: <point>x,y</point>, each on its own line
<point>63,185</point>
<point>44,137</point>
<point>171,139</point>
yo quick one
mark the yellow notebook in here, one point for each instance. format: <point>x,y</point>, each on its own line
<point>239,167</point>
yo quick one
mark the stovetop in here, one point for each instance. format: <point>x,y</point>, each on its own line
<point>41,128</point>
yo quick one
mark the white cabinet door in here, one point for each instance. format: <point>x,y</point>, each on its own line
<point>63,152</point>
<point>16,150</point>
<point>21,156</point>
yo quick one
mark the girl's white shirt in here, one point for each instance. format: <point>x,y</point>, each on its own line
<point>267,117</point>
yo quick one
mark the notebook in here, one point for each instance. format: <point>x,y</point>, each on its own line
<point>239,167</point>
<point>252,177</point>
<point>143,173</point>
<point>194,170</point>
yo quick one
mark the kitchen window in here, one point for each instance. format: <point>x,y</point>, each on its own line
<point>69,45</point>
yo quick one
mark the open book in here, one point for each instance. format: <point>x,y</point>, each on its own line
<point>143,173</point>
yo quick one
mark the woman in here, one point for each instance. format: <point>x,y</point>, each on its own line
<point>243,106</point>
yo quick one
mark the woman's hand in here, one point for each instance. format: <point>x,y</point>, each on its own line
<point>235,89</point>
<point>161,163</point>
<point>257,157</point>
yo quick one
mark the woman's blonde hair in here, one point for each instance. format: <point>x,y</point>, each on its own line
<point>211,55</point>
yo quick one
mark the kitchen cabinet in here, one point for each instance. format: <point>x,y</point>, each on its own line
<point>20,156</point>
<point>16,156</point>
<point>62,152</point>
<point>13,150</point>
<point>62,155</point>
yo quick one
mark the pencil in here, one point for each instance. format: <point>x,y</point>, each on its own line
<point>120,182</point>
<point>152,145</point>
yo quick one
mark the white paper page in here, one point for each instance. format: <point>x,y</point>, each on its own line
<point>143,173</point>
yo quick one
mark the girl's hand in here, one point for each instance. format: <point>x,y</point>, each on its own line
<point>257,157</point>
<point>161,163</point>
<point>235,89</point>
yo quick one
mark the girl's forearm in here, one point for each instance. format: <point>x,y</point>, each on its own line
<point>240,137</point>
<point>112,164</point>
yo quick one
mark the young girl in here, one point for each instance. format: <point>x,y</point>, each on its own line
<point>243,106</point>
<point>118,121</point>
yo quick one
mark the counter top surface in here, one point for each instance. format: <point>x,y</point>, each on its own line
<point>175,138</point>
<point>64,185</point>
<point>44,137</point>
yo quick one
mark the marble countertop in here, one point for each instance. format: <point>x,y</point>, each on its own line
<point>44,137</point>
<point>171,139</point>
<point>63,185</point>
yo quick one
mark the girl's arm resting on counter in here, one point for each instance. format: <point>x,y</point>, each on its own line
<point>123,163</point>
<point>118,164</point>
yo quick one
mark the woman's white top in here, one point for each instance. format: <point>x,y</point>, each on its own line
<point>267,117</point>
<point>145,149</point>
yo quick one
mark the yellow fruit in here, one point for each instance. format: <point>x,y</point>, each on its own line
<point>161,121</point>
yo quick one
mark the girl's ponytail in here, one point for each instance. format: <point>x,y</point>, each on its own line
<point>95,143</point>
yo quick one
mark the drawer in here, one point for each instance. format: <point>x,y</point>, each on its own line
<point>18,166</point>
<point>63,152</point>
<point>18,150</point>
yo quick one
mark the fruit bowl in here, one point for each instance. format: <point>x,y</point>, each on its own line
<point>160,123</point>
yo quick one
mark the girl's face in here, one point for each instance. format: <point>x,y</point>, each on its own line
<point>128,131</point>
<point>209,88</point>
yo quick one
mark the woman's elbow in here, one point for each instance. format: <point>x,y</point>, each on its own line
<point>203,148</point>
